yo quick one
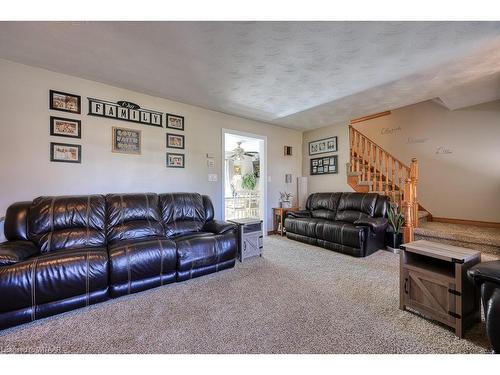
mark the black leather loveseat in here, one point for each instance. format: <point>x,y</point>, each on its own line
<point>350,223</point>
<point>68,252</point>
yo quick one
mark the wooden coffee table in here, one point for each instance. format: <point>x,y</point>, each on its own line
<point>433,281</point>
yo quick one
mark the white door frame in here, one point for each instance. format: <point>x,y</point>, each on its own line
<point>263,172</point>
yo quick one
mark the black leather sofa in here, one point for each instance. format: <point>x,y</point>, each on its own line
<point>486,276</point>
<point>350,223</point>
<point>68,252</point>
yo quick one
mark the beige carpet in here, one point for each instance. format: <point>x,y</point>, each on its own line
<point>296,299</point>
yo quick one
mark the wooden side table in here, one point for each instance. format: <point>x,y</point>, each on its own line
<point>279,214</point>
<point>433,281</point>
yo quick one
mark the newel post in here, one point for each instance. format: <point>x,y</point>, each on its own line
<point>414,181</point>
<point>407,207</point>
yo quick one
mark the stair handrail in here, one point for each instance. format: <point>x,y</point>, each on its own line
<point>406,181</point>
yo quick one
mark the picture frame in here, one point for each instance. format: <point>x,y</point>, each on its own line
<point>323,146</point>
<point>175,141</point>
<point>65,153</point>
<point>65,102</point>
<point>324,165</point>
<point>175,160</point>
<point>175,121</point>
<point>126,141</point>
<point>65,127</point>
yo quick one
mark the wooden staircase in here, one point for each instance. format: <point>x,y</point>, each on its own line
<point>373,169</point>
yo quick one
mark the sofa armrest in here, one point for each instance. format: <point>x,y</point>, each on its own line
<point>218,227</point>
<point>13,252</point>
<point>485,271</point>
<point>377,224</point>
<point>298,214</point>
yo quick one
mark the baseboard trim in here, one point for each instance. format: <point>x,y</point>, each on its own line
<point>448,220</point>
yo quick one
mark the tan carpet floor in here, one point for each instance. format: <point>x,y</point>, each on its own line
<point>295,299</point>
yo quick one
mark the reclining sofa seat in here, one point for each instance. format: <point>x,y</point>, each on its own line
<point>140,257</point>
<point>350,223</point>
<point>55,259</point>
<point>68,252</point>
<point>204,245</point>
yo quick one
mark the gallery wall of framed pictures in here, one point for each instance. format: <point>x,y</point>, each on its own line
<point>325,164</point>
<point>124,140</point>
<point>175,141</point>
<point>65,127</point>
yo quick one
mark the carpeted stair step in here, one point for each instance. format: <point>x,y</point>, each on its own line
<point>486,240</point>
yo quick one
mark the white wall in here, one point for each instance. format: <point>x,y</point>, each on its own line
<point>26,171</point>
<point>458,153</point>
<point>330,182</point>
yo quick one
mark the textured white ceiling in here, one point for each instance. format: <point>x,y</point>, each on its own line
<point>301,75</point>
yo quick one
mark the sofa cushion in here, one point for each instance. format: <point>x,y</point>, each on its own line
<point>132,216</point>
<point>203,251</point>
<point>302,226</point>
<point>134,260</point>
<point>323,205</point>
<point>355,206</point>
<point>52,277</point>
<point>67,222</point>
<point>182,213</point>
<point>341,233</point>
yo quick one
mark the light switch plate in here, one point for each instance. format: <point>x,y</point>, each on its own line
<point>210,155</point>
<point>212,177</point>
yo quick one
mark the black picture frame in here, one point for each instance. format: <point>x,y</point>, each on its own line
<point>52,154</point>
<point>183,157</point>
<point>53,119</point>
<point>324,165</point>
<point>125,145</point>
<point>169,145</point>
<point>52,106</point>
<point>171,115</point>
<point>326,142</point>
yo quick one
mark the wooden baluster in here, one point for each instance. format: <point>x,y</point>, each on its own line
<point>414,180</point>
<point>374,179</point>
<point>380,166</point>
<point>407,208</point>
<point>351,140</point>
<point>393,174</point>
<point>369,173</point>
<point>363,164</point>
<point>386,174</point>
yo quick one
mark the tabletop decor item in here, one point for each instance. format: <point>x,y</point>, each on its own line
<point>175,121</point>
<point>65,153</point>
<point>126,141</point>
<point>322,146</point>
<point>285,199</point>
<point>65,127</point>
<point>62,101</point>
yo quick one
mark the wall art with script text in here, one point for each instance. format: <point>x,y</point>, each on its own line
<point>125,111</point>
